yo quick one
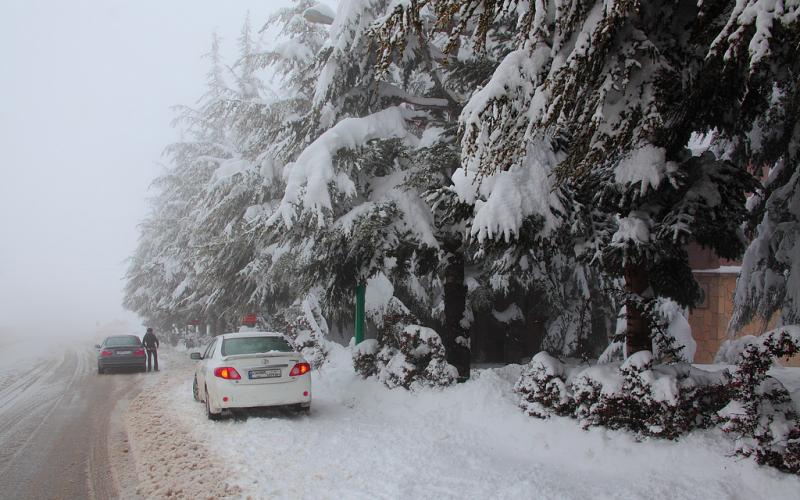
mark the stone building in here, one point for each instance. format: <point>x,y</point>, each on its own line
<point>709,320</point>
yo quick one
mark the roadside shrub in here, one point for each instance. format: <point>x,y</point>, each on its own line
<point>650,400</point>
<point>405,354</point>
<point>760,414</point>
<point>667,401</point>
<point>306,329</point>
<point>543,389</point>
<point>365,358</point>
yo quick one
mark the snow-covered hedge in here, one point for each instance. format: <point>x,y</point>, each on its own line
<point>405,354</point>
<point>667,401</point>
<point>651,400</point>
<point>760,414</point>
<point>543,388</point>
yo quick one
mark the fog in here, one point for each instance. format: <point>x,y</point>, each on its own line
<point>87,88</point>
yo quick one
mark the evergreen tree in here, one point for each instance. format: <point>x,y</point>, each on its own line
<point>605,98</point>
<point>770,278</point>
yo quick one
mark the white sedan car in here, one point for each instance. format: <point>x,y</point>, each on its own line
<point>249,370</point>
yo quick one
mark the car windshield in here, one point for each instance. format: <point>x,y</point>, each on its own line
<point>128,340</point>
<point>253,345</point>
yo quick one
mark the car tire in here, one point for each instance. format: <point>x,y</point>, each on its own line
<point>100,370</point>
<point>211,415</point>
<point>195,390</point>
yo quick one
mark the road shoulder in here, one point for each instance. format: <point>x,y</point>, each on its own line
<point>169,460</point>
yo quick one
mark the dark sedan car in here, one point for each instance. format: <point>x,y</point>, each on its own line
<point>121,351</point>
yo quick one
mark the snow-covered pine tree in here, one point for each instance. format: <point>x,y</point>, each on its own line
<point>770,279</point>
<point>769,282</point>
<point>610,94</point>
<point>225,179</point>
<point>162,280</point>
<point>212,181</point>
<point>224,243</point>
<point>350,211</point>
<point>513,220</point>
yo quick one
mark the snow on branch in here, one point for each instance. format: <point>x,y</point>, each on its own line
<point>756,18</point>
<point>388,90</point>
<point>504,199</point>
<point>309,177</point>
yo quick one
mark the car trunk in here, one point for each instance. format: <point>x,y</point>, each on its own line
<point>263,368</point>
<point>127,351</point>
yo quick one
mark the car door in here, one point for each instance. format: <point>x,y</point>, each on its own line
<point>202,369</point>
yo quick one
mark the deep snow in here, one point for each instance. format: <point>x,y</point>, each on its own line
<point>469,441</point>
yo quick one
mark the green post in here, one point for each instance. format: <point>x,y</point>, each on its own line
<point>361,291</point>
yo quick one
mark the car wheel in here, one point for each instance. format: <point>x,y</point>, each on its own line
<point>195,391</point>
<point>100,370</point>
<point>211,415</point>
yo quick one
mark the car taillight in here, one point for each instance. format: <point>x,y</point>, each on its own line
<point>300,369</point>
<point>138,352</point>
<point>227,372</point>
<point>106,353</point>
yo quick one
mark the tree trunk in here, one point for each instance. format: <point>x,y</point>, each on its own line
<point>455,337</point>
<point>637,335</point>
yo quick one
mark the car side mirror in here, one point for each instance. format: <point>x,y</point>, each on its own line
<point>195,355</point>
<point>97,346</point>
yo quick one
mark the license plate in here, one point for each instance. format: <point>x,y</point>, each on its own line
<point>266,373</point>
<point>124,352</point>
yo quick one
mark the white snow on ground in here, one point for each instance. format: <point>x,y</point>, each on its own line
<point>171,462</point>
<point>469,441</point>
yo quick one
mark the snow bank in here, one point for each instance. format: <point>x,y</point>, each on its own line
<point>168,465</point>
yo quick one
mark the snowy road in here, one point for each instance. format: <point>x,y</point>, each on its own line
<point>60,436</point>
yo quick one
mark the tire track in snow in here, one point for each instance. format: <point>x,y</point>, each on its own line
<point>170,461</point>
<point>58,443</point>
<point>30,402</point>
<point>19,384</point>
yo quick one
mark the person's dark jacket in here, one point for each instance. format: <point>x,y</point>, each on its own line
<point>150,341</point>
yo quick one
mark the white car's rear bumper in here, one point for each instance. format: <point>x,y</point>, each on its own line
<point>297,391</point>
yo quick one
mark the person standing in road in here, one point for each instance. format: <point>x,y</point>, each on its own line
<point>151,345</point>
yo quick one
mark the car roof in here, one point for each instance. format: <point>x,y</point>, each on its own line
<point>240,335</point>
<point>121,336</point>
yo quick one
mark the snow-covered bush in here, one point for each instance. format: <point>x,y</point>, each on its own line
<point>651,400</point>
<point>405,354</point>
<point>365,358</point>
<point>543,388</point>
<point>760,413</point>
<point>306,329</point>
<point>667,401</point>
<point>637,395</point>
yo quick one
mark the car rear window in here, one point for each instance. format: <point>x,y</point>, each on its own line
<point>253,345</point>
<point>130,340</point>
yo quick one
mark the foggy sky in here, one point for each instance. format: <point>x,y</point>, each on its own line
<point>86,89</point>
